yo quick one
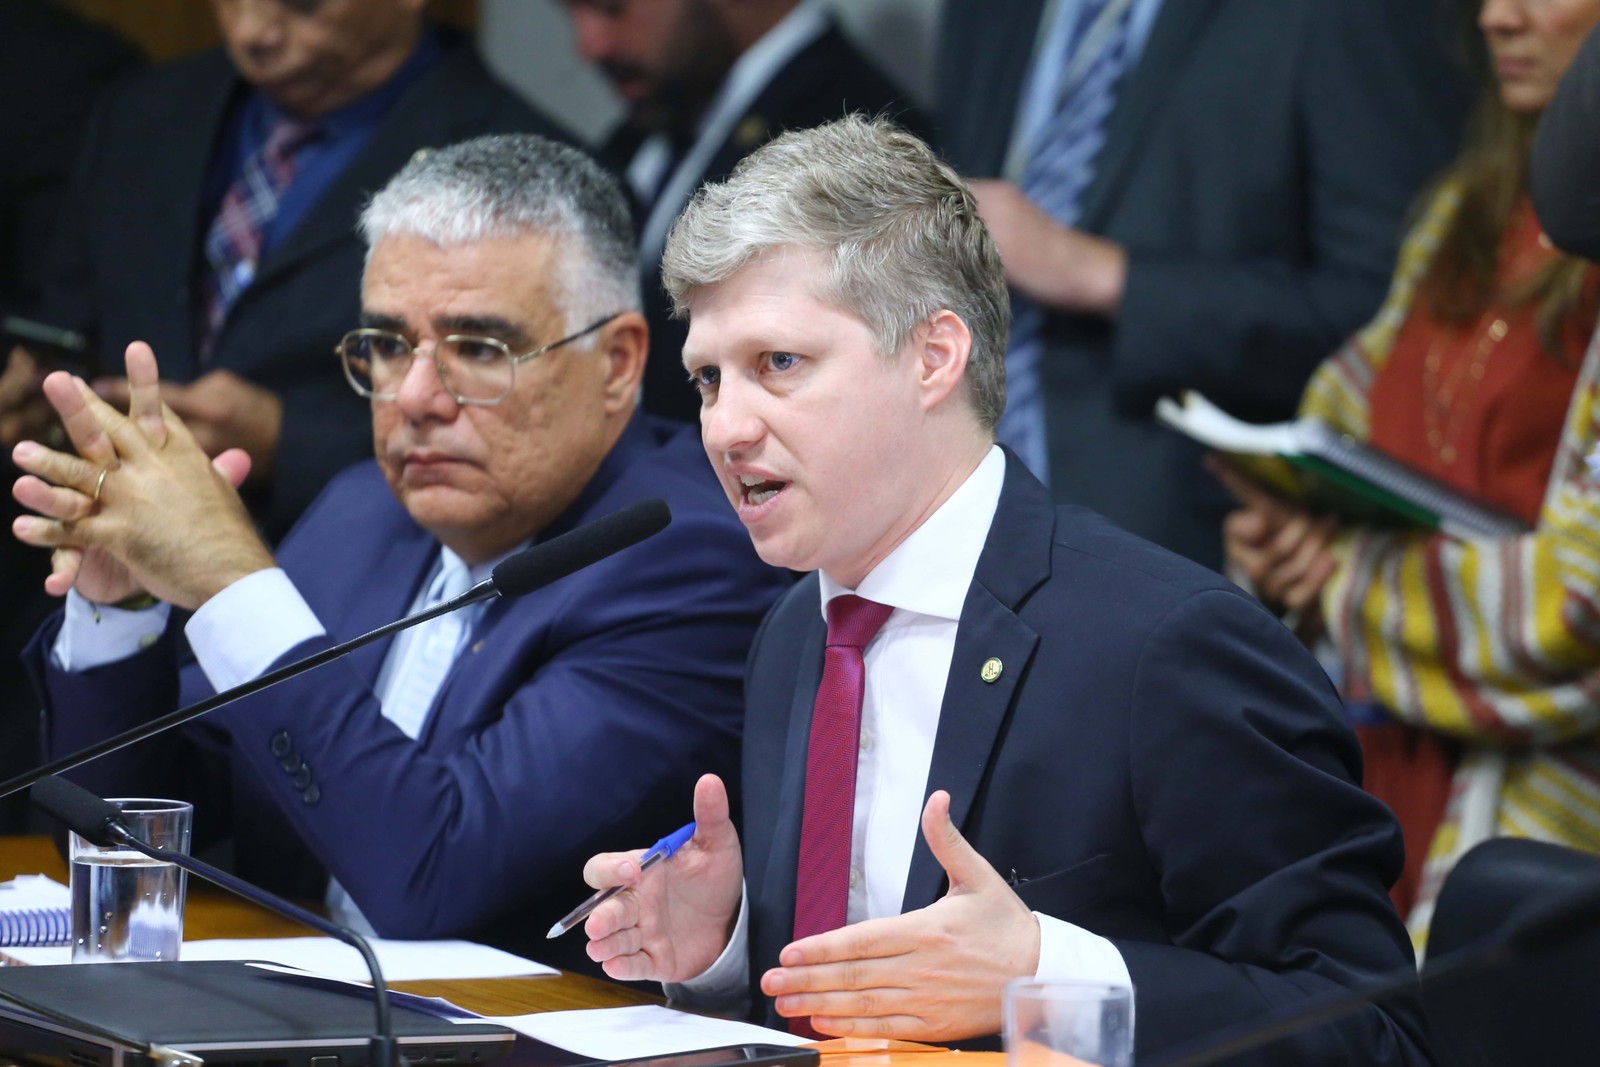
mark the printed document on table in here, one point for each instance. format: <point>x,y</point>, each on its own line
<point>642,1030</point>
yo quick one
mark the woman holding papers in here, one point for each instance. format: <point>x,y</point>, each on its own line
<point>1472,667</point>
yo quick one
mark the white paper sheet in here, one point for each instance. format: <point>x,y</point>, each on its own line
<point>402,961</point>
<point>643,1030</point>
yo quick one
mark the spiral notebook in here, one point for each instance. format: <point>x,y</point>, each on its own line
<point>34,910</point>
<point>1308,461</point>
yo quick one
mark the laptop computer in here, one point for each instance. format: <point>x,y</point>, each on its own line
<point>227,1013</point>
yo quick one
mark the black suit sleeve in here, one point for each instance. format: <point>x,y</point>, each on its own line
<point>1565,180</point>
<point>1296,907</point>
<point>1379,106</point>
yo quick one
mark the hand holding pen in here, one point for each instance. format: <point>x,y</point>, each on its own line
<point>652,856</point>
<point>677,917</point>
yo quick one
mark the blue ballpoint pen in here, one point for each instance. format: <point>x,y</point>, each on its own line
<point>652,856</point>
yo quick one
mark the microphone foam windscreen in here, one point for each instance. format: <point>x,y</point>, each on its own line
<point>538,566</point>
<point>75,808</point>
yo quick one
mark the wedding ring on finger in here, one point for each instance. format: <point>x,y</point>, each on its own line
<point>99,484</point>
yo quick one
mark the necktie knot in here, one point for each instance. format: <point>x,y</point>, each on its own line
<point>452,580</point>
<point>854,621</point>
<point>288,136</point>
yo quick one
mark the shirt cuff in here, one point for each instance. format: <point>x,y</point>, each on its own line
<point>246,628</point>
<point>93,635</point>
<point>723,987</point>
<point>1071,952</point>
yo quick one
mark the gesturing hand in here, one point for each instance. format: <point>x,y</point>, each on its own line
<point>140,505</point>
<point>928,975</point>
<point>674,920</point>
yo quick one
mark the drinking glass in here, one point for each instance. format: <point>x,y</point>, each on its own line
<point>125,905</point>
<point>1056,1023</point>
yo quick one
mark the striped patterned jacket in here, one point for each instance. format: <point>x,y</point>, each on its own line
<point>1494,643</point>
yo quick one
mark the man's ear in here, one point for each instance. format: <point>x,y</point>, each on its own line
<point>943,345</point>
<point>624,345</point>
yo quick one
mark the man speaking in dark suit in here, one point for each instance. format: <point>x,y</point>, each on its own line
<point>705,83</point>
<point>1121,767</point>
<point>213,216</point>
<point>452,779</point>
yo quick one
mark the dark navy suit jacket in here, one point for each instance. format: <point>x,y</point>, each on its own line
<point>1159,762</point>
<point>576,721</point>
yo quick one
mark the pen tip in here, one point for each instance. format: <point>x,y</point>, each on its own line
<point>555,931</point>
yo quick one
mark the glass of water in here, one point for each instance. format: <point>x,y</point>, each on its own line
<point>125,905</point>
<point>1058,1023</point>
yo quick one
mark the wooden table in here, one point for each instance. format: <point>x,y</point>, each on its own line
<point>211,912</point>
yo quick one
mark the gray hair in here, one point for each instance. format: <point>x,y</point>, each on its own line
<point>510,185</point>
<point>899,228</point>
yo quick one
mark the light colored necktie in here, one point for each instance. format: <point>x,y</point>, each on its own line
<point>433,649</point>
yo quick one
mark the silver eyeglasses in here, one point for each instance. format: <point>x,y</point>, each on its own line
<point>475,370</point>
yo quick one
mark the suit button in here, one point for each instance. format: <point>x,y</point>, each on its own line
<point>312,794</point>
<point>291,763</point>
<point>302,777</point>
<point>282,744</point>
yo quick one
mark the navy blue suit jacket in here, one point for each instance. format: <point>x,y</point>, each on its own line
<point>577,720</point>
<point>1159,762</point>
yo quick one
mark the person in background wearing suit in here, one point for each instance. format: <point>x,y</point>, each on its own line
<point>705,83</point>
<point>450,780</point>
<point>1187,194</point>
<point>1470,666</point>
<point>1123,768</point>
<point>213,216</point>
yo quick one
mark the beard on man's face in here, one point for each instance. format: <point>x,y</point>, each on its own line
<point>672,98</point>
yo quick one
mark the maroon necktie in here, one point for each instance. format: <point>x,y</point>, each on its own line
<point>822,883</point>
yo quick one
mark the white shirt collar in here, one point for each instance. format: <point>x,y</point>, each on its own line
<point>930,571</point>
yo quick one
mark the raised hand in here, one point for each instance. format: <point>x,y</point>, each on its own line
<point>929,975</point>
<point>674,920</point>
<point>140,506</point>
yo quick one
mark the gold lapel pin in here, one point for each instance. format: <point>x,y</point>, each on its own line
<point>751,132</point>
<point>991,669</point>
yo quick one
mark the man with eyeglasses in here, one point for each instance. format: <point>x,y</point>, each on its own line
<point>450,781</point>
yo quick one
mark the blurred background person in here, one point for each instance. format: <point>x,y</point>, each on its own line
<point>213,215</point>
<point>1190,194</point>
<point>1472,668</point>
<point>705,83</point>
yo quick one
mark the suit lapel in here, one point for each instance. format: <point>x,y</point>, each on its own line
<point>1143,96</point>
<point>991,637</point>
<point>188,164</point>
<point>782,858</point>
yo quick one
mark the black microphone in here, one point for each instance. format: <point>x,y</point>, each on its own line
<point>100,822</point>
<point>1542,923</point>
<point>533,568</point>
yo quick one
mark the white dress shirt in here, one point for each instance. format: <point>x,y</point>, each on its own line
<point>925,579</point>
